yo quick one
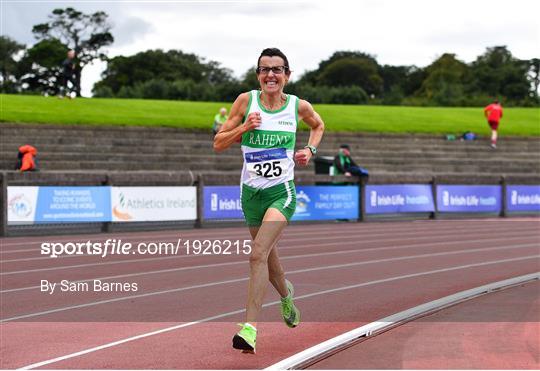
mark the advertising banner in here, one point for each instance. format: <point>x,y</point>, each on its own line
<point>326,202</point>
<point>21,204</point>
<point>141,204</point>
<point>312,202</point>
<point>58,204</point>
<point>399,198</point>
<point>222,202</point>
<point>469,198</point>
<point>523,198</point>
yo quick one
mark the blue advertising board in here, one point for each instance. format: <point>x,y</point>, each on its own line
<point>469,198</point>
<point>222,202</point>
<point>73,204</point>
<point>326,202</point>
<point>523,198</point>
<point>312,202</point>
<point>399,198</point>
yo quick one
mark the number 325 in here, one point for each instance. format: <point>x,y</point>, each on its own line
<point>268,169</point>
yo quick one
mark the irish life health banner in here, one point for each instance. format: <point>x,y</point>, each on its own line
<point>51,204</point>
<point>523,198</point>
<point>399,198</point>
<point>312,202</point>
<point>222,202</point>
<point>141,204</point>
<point>469,198</point>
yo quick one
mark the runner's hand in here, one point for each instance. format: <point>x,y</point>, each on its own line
<point>253,121</point>
<point>302,156</point>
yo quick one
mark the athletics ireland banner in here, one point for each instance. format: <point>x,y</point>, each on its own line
<point>142,204</point>
<point>51,204</point>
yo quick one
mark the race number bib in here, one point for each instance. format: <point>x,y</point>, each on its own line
<point>269,164</point>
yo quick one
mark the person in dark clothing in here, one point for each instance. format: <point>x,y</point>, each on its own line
<point>344,164</point>
<point>68,75</point>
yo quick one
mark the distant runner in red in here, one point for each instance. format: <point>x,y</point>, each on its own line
<point>493,113</point>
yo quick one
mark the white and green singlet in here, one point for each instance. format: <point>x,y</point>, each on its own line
<point>269,149</point>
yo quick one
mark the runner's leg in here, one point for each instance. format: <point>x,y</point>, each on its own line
<point>275,270</point>
<point>269,232</point>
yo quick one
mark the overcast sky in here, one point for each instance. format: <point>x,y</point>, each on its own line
<point>234,32</point>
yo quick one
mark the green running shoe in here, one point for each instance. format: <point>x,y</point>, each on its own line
<point>291,314</point>
<point>245,339</point>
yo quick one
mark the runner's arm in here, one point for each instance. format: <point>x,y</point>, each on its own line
<point>315,122</point>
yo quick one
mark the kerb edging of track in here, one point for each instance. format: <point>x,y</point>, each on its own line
<point>312,355</point>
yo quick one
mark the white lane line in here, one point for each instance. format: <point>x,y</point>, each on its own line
<point>234,231</point>
<point>192,233</point>
<point>286,257</point>
<point>303,359</point>
<point>286,240</point>
<point>144,260</point>
<point>239,311</point>
<point>210,284</point>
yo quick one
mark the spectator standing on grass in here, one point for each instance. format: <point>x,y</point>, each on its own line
<point>68,75</point>
<point>344,164</point>
<point>493,113</point>
<point>219,120</point>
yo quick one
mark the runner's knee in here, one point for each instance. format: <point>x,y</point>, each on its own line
<point>258,255</point>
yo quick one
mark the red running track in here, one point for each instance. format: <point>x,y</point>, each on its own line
<point>186,308</point>
<point>500,330</point>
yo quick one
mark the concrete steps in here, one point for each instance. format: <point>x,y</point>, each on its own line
<point>73,148</point>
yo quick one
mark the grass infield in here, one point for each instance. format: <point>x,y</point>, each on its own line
<point>199,115</point>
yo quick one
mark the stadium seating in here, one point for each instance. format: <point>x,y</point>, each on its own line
<point>89,148</point>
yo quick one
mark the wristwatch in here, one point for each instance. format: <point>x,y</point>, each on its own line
<point>312,149</point>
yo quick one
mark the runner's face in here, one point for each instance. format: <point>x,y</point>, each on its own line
<point>272,82</point>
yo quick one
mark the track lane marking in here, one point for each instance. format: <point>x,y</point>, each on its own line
<point>239,311</point>
<point>217,283</point>
<point>286,257</point>
<point>377,226</point>
<point>285,240</point>
<point>127,261</point>
<point>326,349</point>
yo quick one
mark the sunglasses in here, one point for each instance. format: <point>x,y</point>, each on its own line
<point>277,70</point>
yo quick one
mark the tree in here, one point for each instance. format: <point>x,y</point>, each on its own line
<point>445,81</point>
<point>39,66</point>
<point>346,68</point>
<point>345,55</point>
<point>398,81</point>
<point>87,34</point>
<point>498,74</point>
<point>249,80</point>
<point>534,78</point>
<point>188,75</point>
<point>152,64</point>
<point>353,72</point>
<point>9,48</point>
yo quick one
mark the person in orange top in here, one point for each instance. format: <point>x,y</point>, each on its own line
<point>493,113</point>
<point>26,158</point>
